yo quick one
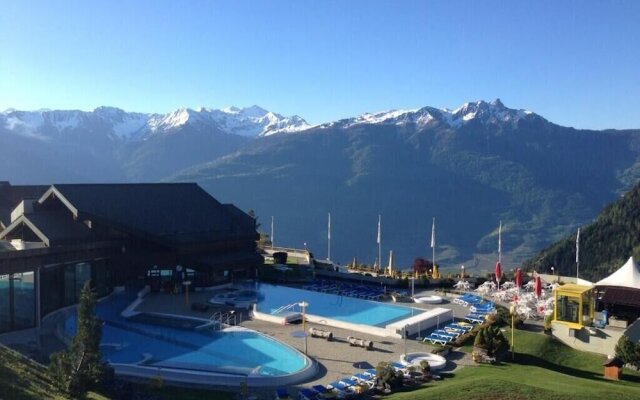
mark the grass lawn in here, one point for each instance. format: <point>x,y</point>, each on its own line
<point>23,380</point>
<point>543,369</point>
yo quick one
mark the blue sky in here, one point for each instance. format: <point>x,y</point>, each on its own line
<point>574,62</point>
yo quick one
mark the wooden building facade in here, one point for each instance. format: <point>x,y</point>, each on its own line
<point>53,239</point>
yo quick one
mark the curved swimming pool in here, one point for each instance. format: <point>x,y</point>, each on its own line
<point>232,353</point>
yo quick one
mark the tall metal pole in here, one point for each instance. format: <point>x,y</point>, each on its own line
<point>379,242</point>
<point>406,327</point>
<point>433,244</point>
<point>304,305</point>
<point>578,256</point>
<point>272,237</point>
<point>513,343</point>
<point>500,244</point>
<point>329,238</point>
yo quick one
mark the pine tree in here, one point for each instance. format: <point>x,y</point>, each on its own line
<point>80,368</point>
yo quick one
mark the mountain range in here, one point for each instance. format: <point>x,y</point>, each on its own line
<point>470,168</point>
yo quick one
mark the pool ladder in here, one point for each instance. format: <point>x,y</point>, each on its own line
<point>284,308</point>
<point>224,319</point>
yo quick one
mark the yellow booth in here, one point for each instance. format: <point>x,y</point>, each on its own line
<point>574,305</point>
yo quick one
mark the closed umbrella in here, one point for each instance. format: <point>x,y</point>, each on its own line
<point>518,278</point>
<point>498,273</point>
<point>537,288</point>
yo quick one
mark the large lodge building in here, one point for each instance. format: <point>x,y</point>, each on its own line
<point>55,238</point>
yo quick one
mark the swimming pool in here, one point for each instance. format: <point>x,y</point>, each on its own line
<point>234,352</point>
<point>332,306</point>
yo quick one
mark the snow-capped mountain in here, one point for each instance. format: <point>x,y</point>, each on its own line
<point>480,111</point>
<point>47,125</point>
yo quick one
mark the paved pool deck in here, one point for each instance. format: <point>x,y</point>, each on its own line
<point>337,358</point>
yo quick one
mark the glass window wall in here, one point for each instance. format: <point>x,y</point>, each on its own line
<point>5,303</point>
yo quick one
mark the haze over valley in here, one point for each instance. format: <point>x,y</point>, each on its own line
<point>468,167</point>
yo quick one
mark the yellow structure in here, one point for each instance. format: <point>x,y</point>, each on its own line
<point>573,305</point>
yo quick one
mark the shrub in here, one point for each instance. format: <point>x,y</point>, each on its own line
<point>491,338</point>
<point>156,382</point>
<point>388,376</point>
<point>628,352</point>
<point>547,321</point>
<point>442,349</point>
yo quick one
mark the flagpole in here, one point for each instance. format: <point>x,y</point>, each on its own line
<point>379,242</point>
<point>433,243</point>
<point>329,238</point>
<point>272,238</point>
<point>500,243</point>
<point>578,256</point>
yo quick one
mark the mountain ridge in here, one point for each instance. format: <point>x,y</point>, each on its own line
<point>249,121</point>
<point>469,167</point>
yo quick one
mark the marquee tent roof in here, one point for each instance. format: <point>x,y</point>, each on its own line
<point>626,276</point>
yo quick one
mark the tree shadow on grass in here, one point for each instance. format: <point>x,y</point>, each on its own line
<point>529,359</point>
<point>630,378</point>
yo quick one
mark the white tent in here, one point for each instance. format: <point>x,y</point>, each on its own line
<point>627,276</point>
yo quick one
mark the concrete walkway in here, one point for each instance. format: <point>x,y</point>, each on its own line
<point>337,358</point>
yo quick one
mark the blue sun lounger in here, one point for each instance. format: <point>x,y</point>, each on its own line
<point>436,339</point>
<point>320,389</point>
<point>371,372</point>
<point>308,394</point>
<point>474,319</point>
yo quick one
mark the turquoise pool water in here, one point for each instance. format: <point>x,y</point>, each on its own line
<point>342,308</point>
<point>233,352</point>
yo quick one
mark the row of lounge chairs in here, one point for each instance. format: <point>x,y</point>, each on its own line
<point>477,305</point>
<point>448,333</point>
<point>347,386</point>
<point>347,289</point>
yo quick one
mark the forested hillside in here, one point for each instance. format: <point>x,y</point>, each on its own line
<point>604,245</point>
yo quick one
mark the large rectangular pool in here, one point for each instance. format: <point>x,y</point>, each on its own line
<point>332,306</point>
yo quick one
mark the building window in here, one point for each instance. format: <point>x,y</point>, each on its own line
<point>568,309</point>
<point>51,289</point>
<point>5,303</point>
<point>17,301</point>
<point>24,300</point>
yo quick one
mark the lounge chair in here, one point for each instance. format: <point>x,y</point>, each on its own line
<point>449,332</point>
<point>371,372</point>
<point>456,328</point>
<point>308,394</point>
<point>444,334</point>
<point>473,319</point>
<point>364,378</point>
<point>398,367</point>
<point>282,394</point>
<point>320,389</point>
<point>436,339</point>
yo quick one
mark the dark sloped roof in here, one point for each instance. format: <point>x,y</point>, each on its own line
<point>622,296</point>
<point>613,362</point>
<point>240,217</point>
<point>53,228</point>
<point>11,196</point>
<point>171,212</point>
<point>59,227</point>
